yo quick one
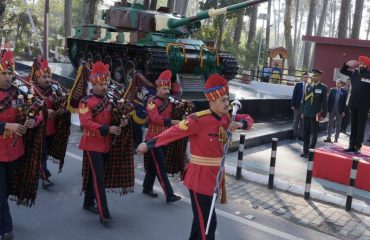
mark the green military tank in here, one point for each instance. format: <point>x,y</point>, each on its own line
<point>134,38</point>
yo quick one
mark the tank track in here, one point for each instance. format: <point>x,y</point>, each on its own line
<point>153,60</point>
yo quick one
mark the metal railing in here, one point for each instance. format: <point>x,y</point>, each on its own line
<point>271,75</point>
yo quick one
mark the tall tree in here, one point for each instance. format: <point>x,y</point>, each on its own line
<point>90,7</point>
<point>153,5</point>
<point>251,37</point>
<point>181,6</point>
<point>267,30</point>
<point>343,19</point>
<point>170,4</point>
<point>356,26</point>
<point>322,18</point>
<point>146,4</point>
<point>253,13</point>
<point>238,27</point>
<point>67,19</point>
<point>288,34</point>
<point>2,13</point>
<point>307,45</point>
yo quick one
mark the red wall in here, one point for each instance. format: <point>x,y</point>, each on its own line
<point>330,56</point>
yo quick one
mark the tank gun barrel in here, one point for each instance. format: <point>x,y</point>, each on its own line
<point>211,13</point>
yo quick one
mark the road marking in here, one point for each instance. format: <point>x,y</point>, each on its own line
<point>222,213</point>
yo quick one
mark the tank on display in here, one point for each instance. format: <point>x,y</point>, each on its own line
<point>134,38</point>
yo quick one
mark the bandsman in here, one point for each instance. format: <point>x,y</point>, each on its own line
<point>55,139</point>
<point>207,135</point>
<point>18,165</point>
<point>160,110</point>
<point>103,168</point>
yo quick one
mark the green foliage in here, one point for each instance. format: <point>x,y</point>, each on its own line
<point>206,33</point>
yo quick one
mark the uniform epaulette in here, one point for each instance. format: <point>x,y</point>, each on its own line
<point>203,113</point>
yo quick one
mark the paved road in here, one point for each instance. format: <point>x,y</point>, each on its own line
<point>58,213</point>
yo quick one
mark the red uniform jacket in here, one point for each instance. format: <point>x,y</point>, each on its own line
<point>8,153</point>
<point>96,129</point>
<point>158,121</point>
<point>207,136</point>
<point>50,123</point>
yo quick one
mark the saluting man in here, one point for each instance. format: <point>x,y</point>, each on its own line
<point>314,110</point>
<point>207,134</point>
<point>159,111</point>
<point>95,118</point>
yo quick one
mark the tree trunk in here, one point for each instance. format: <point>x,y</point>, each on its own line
<point>322,18</point>
<point>181,6</point>
<point>67,20</point>
<point>170,4</point>
<point>90,11</point>
<point>267,45</point>
<point>288,34</point>
<point>238,27</point>
<point>343,19</point>
<point>296,17</point>
<point>184,7</point>
<point>368,29</point>
<point>307,45</point>
<point>46,31</point>
<point>153,5</point>
<point>2,13</point>
<point>356,26</point>
<point>146,4</point>
<point>252,24</point>
<point>334,18</point>
<point>220,22</point>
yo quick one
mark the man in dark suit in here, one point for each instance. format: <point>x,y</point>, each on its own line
<point>314,108</point>
<point>336,108</point>
<point>297,99</point>
<point>359,101</point>
<point>347,113</point>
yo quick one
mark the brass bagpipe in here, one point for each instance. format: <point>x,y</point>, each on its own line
<point>120,107</point>
<point>182,107</point>
<point>28,103</point>
<point>60,94</point>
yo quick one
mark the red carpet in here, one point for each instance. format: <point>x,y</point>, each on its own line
<point>332,164</point>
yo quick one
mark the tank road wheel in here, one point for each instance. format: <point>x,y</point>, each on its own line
<point>118,72</point>
<point>130,67</point>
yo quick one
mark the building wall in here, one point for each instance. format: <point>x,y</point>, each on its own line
<point>327,57</point>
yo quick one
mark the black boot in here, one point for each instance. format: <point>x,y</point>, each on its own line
<point>8,236</point>
<point>92,208</point>
<point>105,220</point>
<point>173,198</point>
<point>150,193</point>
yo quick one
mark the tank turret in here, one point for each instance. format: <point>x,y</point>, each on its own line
<point>134,38</point>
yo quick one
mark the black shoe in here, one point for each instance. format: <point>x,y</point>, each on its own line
<point>8,236</point>
<point>150,193</point>
<point>328,140</point>
<point>92,208</point>
<point>357,151</point>
<point>173,198</point>
<point>304,155</point>
<point>350,149</point>
<point>47,183</point>
<point>107,220</point>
